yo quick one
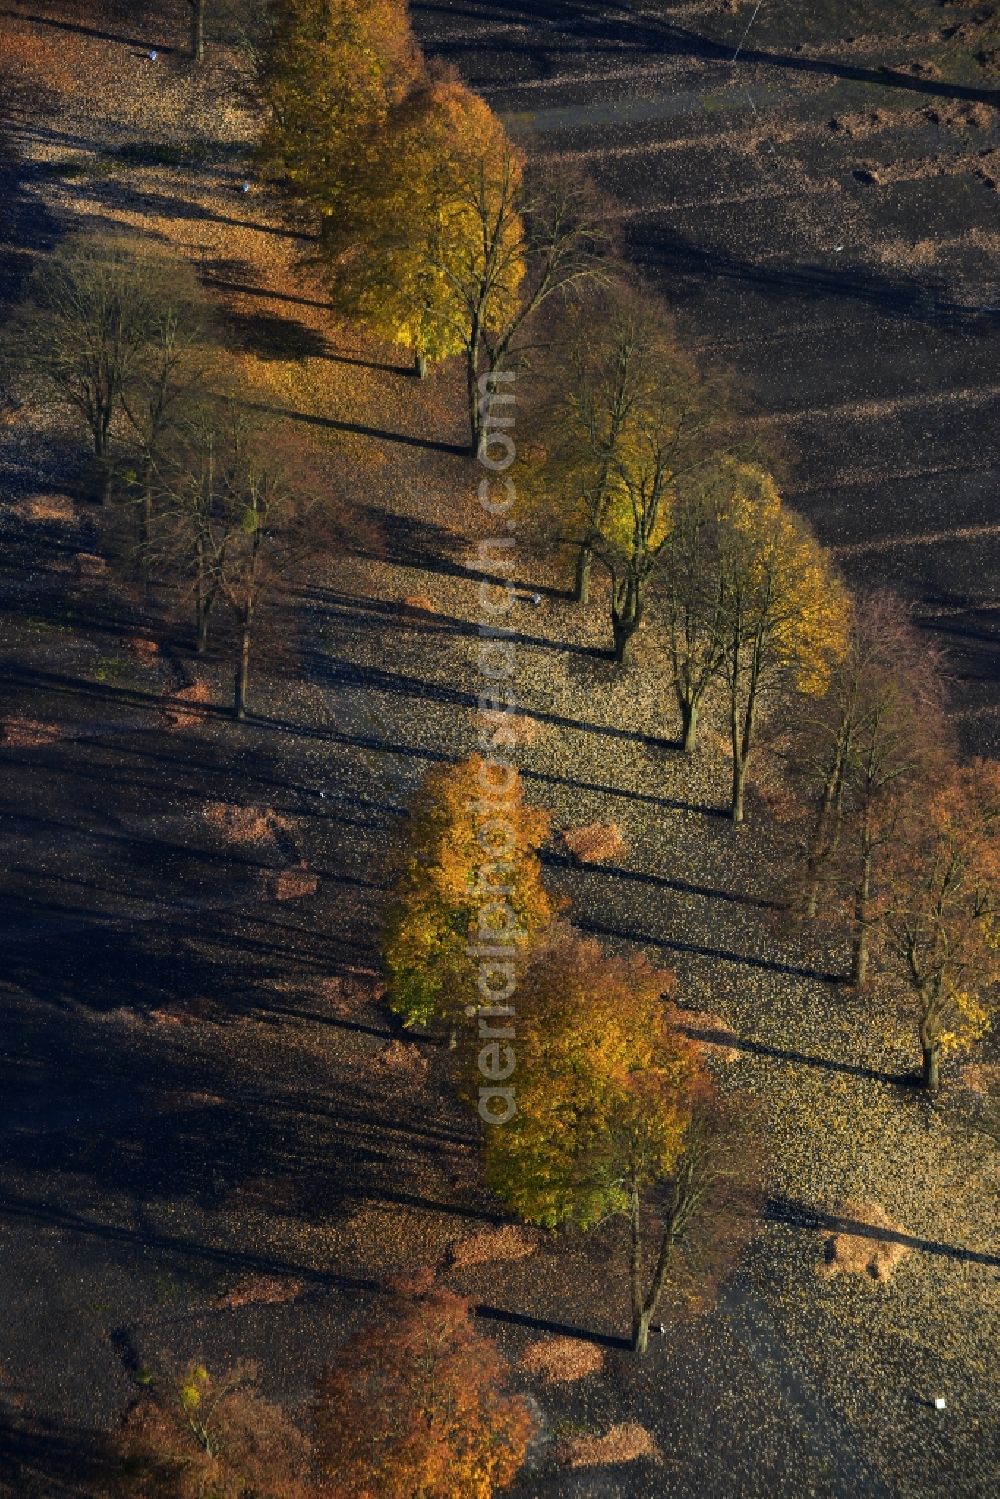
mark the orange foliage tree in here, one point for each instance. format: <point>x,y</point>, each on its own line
<point>196,1435</point>
<point>615,1115</point>
<point>414,1405</point>
<point>940,911</point>
<point>471,873</point>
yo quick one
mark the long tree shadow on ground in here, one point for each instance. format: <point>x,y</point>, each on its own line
<point>793,1214</point>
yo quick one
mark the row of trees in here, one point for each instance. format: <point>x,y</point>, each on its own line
<point>615,1115</point>
<point>640,466</point>
<point>221,507</point>
<point>899,840</point>
<point>414,1404</point>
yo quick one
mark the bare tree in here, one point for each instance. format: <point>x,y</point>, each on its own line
<point>92,309</point>
<point>876,744</point>
<point>239,516</point>
<point>674,441</point>
<point>703,1214</point>
<point>168,381</point>
<point>607,372</point>
<point>691,608</point>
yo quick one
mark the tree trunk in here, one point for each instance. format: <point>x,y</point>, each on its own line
<point>581,581</point>
<point>472,390</point>
<point>689,724</point>
<point>197,29</point>
<point>640,1316</point>
<point>739,787</point>
<point>201,602</point>
<point>859,960</point>
<point>742,735</point>
<point>243,669</point>
<point>103,461</point>
<point>625,621</point>
<point>420,365</point>
<point>822,844</point>
<point>931,1054</point>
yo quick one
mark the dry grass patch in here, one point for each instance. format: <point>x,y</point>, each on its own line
<point>492,1246</point>
<point>719,1033</point>
<point>595,842</point>
<point>242,824</point>
<point>417,603</point>
<point>558,1360</point>
<point>88,565</point>
<point>404,1060</point>
<point>625,1443</point>
<point>261,1290</point>
<point>292,883</point>
<point>847,1253</point>
<point>57,508</point>
<point>145,651</point>
<point>189,701</point>
<point>527,729</point>
<point>29,733</point>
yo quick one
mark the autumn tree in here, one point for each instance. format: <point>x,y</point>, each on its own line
<point>329,72</point>
<point>606,379</point>
<point>471,876</point>
<point>196,1435</point>
<point>614,1113</point>
<point>92,309</point>
<point>783,611</point>
<point>872,747</point>
<point>393,262</point>
<point>415,1405</point>
<point>939,901</point>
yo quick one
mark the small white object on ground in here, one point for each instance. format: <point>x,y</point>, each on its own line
<point>152,56</point>
<point>246,187</point>
<point>536,599</point>
<point>940,1403</point>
